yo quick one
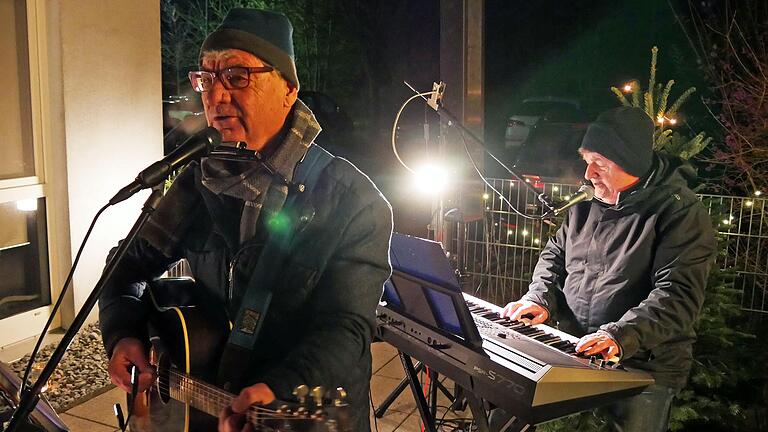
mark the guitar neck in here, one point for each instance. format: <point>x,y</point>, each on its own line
<point>212,400</point>
<point>198,394</point>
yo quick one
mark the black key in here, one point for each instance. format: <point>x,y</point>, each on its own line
<point>543,338</point>
<point>551,339</point>
<point>562,345</point>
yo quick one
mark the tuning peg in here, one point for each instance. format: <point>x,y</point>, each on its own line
<point>339,396</point>
<point>301,392</point>
<point>317,395</point>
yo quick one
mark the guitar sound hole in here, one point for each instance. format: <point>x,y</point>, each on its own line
<point>163,378</point>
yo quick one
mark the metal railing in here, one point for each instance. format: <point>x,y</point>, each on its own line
<point>501,249</point>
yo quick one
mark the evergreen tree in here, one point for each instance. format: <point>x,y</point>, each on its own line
<point>654,101</point>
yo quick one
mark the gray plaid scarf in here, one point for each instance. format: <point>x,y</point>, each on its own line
<point>252,183</point>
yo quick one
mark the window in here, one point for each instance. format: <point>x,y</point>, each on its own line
<point>25,286</point>
<point>15,111</point>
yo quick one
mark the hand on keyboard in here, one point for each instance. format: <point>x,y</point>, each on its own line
<point>598,343</point>
<point>536,313</point>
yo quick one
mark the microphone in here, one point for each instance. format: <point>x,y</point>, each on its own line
<point>585,193</point>
<point>196,146</point>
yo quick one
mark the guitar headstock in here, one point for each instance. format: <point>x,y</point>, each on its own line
<point>317,410</point>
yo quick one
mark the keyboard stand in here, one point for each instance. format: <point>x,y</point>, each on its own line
<point>427,419</point>
<point>418,367</point>
<point>428,411</point>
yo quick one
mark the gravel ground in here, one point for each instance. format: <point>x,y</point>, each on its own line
<point>82,373</point>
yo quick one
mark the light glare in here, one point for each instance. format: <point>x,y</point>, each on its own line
<point>430,179</point>
<point>28,205</point>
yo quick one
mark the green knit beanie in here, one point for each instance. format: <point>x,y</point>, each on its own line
<point>265,34</point>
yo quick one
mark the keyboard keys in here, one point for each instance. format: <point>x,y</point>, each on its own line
<point>523,328</point>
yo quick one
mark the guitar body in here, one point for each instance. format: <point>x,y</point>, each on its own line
<point>191,339</point>
<point>187,344</point>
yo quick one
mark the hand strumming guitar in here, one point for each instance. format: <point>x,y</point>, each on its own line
<point>129,352</point>
<point>232,418</point>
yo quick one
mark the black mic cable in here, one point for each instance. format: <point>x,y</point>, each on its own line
<point>59,300</point>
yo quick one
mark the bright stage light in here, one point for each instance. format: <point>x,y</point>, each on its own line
<point>430,179</point>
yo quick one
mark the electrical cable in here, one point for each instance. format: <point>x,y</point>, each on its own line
<point>482,177</point>
<point>466,148</point>
<point>397,120</point>
<point>60,299</point>
<point>375,420</point>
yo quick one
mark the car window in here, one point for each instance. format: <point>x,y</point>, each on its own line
<point>563,114</point>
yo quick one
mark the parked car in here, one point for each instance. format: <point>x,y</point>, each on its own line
<point>534,111</point>
<point>550,153</point>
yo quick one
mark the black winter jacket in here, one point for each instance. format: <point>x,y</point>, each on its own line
<point>321,320</point>
<point>637,269</point>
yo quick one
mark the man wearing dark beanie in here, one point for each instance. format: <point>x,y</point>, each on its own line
<point>627,271</point>
<point>288,244</point>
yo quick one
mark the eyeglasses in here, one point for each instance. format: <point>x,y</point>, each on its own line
<point>232,78</point>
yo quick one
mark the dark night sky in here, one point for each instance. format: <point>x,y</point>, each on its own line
<point>576,49</point>
<point>565,48</point>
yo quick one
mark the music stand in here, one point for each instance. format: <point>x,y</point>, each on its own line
<point>424,288</point>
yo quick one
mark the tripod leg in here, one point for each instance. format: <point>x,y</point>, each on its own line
<point>390,399</point>
<point>421,401</point>
<point>433,385</point>
<point>459,401</point>
<point>478,412</point>
<point>445,391</point>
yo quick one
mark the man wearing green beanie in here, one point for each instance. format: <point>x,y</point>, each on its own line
<point>627,270</point>
<point>288,241</point>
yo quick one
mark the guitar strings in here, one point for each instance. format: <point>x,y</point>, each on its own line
<point>203,387</point>
<point>216,398</point>
<point>222,396</point>
<point>254,412</point>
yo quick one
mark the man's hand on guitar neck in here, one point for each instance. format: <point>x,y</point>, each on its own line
<point>128,352</point>
<point>232,418</point>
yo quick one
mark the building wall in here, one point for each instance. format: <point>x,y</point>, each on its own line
<point>112,118</point>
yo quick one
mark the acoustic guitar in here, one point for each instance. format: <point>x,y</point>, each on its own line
<point>187,342</point>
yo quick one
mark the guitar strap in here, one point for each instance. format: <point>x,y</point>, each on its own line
<point>235,359</point>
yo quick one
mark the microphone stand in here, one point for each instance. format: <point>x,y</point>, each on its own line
<point>30,398</point>
<point>435,103</point>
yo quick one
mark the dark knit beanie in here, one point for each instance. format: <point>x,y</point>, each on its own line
<point>265,34</point>
<point>625,136</point>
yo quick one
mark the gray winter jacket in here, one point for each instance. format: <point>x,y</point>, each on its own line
<point>637,270</point>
